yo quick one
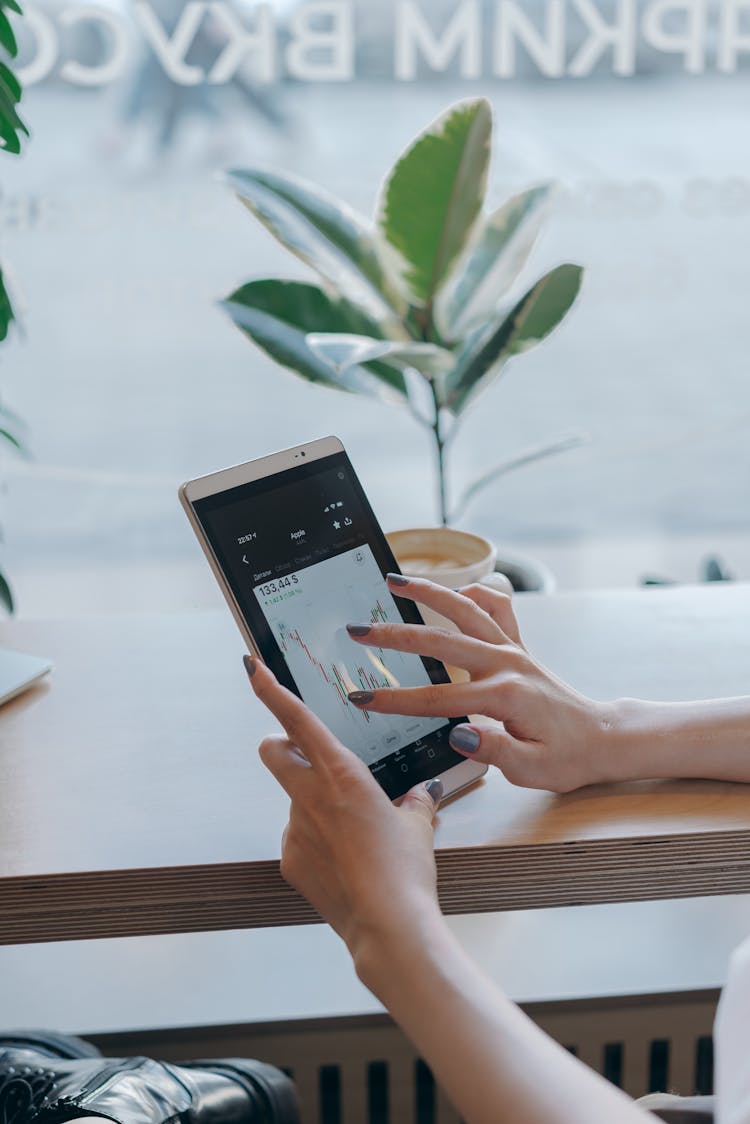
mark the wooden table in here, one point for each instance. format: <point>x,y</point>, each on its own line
<point>132,801</point>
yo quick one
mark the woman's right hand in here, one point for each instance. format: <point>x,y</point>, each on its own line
<point>544,734</point>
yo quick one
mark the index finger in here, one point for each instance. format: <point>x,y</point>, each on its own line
<point>467,614</point>
<point>300,724</point>
<point>422,640</point>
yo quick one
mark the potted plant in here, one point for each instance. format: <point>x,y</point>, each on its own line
<point>413,309</point>
<point>12,129</point>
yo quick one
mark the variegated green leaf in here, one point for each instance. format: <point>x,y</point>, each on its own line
<point>280,316</point>
<point>535,315</point>
<point>323,232</point>
<point>491,263</point>
<point>434,194</point>
<point>348,351</point>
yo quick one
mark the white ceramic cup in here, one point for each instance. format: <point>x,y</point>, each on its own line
<point>447,557</point>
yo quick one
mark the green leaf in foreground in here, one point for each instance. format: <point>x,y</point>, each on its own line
<point>11,125</point>
<point>280,315</point>
<point>6,595</point>
<point>433,195</point>
<point>320,230</point>
<point>7,34</point>
<point>537,313</point>
<point>7,315</point>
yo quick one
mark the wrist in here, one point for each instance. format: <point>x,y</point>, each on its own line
<point>650,740</point>
<point>385,951</point>
<point>610,745</point>
<point>595,741</point>
<point>622,737</point>
<point>646,740</point>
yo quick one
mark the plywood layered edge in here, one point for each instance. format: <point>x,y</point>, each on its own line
<point>139,902</point>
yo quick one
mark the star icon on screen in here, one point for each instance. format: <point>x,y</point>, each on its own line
<point>336,525</point>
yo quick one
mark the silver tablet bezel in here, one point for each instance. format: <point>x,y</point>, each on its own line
<point>459,776</point>
<point>233,477</point>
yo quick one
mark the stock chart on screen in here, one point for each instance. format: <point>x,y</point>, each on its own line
<point>307,612</point>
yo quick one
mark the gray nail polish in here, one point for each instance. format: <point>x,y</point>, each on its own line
<point>250,666</point>
<point>435,791</point>
<point>359,698</point>
<point>358,629</point>
<point>397,579</point>
<point>464,738</point>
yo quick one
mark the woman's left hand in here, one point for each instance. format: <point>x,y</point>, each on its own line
<point>365,865</point>
<point>368,868</point>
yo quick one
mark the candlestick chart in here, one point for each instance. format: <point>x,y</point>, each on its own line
<point>326,664</point>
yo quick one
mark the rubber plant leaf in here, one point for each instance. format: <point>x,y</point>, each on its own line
<point>347,351</point>
<point>535,315</point>
<point>491,263</point>
<point>433,195</point>
<point>279,316</point>
<point>323,232</point>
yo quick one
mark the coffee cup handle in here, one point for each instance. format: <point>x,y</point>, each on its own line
<point>497,581</point>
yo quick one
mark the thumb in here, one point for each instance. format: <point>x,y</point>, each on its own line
<point>489,744</point>
<point>423,800</point>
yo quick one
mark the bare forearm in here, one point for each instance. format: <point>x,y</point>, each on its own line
<point>493,1062</point>
<point>708,739</point>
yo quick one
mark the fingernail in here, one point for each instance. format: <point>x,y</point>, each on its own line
<point>359,698</point>
<point>358,629</point>
<point>250,666</point>
<point>435,790</point>
<point>397,579</point>
<point>464,738</point>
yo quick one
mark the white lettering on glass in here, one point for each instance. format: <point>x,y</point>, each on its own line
<point>46,47</point>
<point>546,48</point>
<point>316,42</point>
<point>171,50</point>
<point>732,38</point>
<point>619,36</point>
<point>462,36</point>
<point>260,42</point>
<point>118,33</point>
<point>690,42</point>
<point>308,41</point>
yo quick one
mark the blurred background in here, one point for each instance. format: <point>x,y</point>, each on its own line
<point>120,238</point>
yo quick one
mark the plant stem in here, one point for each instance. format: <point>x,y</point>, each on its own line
<point>440,453</point>
<point>424,321</point>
